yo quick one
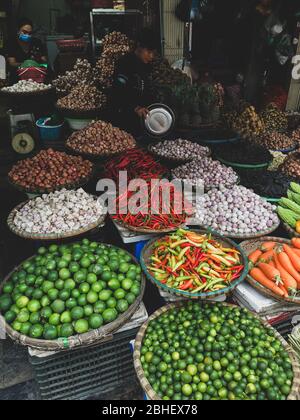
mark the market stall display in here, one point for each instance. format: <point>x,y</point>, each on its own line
<point>271,185</point>
<point>243,155</point>
<point>200,370</point>
<point>57,215</point>
<point>70,295</point>
<point>273,140</point>
<point>236,213</point>
<point>50,170</point>
<point>274,119</point>
<point>83,73</point>
<point>289,210</point>
<point>179,150</point>
<point>138,163</point>
<point>26,87</point>
<point>194,264</point>
<point>207,173</point>
<point>274,267</point>
<point>83,98</point>
<point>247,122</point>
<point>291,165</point>
<point>100,139</point>
<point>296,136</point>
<point>162,208</point>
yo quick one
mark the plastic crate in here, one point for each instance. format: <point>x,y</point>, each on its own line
<point>83,373</point>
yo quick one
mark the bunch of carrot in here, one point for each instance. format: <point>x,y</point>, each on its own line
<point>277,267</point>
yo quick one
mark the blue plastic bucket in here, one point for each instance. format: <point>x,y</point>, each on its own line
<point>47,132</point>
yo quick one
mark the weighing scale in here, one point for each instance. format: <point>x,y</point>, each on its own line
<point>23,132</point>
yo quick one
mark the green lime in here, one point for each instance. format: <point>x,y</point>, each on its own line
<point>187,390</point>
<point>106,276</point>
<point>127,284</point>
<point>85,262</point>
<point>120,294</point>
<point>98,269</point>
<point>17,326</point>
<point>8,288</point>
<point>80,277</point>
<point>66,331</point>
<point>25,328</point>
<point>84,288</point>
<point>75,294</point>
<point>114,265</point>
<point>53,294</point>
<point>23,316</point>
<point>54,319</point>
<point>47,285</point>
<point>124,267</point>
<point>21,303</point>
<point>92,278</point>
<point>122,305</point>
<point>109,315</point>
<point>82,300</point>
<point>88,310</point>
<point>64,274</point>
<point>131,298</point>
<point>29,292</point>
<point>58,306</point>
<point>37,294</point>
<point>53,248</point>
<point>52,276</point>
<point>35,318</point>
<point>66,317</point>
<point>69,284</point>
<point>50,332</point>
<point>74,267</point>
<point>64,295</point>
<point>105,295</point>
<point>99,307</point>
<point>10,317</point>
<point>111,303</point>
<point>77,313</point>
<point>46,312</point>
<point>136,289</point>
<point>59,284</point>
<point>92,297</point>
<point>97,287</point>
<point>71,303</point>
<point>36,331</point>
<point>45,301</point>
<point>81,326</point>
<point>95,321</point>
<point>114,284</point>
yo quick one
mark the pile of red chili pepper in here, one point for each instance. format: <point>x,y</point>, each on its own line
<point>138,164</point>
<point>155,213</point>
<point>194,263</point>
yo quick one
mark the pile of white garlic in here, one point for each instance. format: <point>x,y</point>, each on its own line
<point>59,213</point>
<point>26,86</point>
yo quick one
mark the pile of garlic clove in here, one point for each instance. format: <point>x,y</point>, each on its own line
<point>59,213</point>
<point>26,86</point>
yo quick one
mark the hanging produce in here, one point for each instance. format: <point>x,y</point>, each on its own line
<point>101,139</point>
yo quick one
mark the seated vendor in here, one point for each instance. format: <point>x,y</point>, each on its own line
<point>24,47</point>
<point>130,92</point>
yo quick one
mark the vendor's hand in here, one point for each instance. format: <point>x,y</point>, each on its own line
<point>141,112</point>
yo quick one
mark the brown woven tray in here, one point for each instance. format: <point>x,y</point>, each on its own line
<point>292,233</point>
<point>249,247</point>
<point>84,340</point>
<point>52,237</point>
<point>81,183</point>
<point>145,262</point>
<point>152,395</point>
<point>252,236</point>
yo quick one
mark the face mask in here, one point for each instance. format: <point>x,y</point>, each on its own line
<point>25,37</point>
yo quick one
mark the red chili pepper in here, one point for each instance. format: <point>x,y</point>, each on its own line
<point>187,285</point>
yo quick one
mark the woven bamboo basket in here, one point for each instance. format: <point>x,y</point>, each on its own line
<point>250,246</point>
<point>52,237</point>
<point>84,340</point>
<point>292,233</point>
<point>145,262</point>
<point>152,395</point>
<point>251,236</point>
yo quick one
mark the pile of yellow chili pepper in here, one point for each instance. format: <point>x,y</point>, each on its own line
<point>195,263</point>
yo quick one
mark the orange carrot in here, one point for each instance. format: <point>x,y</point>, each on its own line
<point>288,281</point>
<point>259,276</point>
<point>296,242</point>
<point>281,287</point>
<point>270,272</point>
<point>254,257</point>
<point>267,256</point>
<point>272,264</point>
<point>297,251</point>
<point>295,259</point>
<point>288,266</point>
<point>268,246</point>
